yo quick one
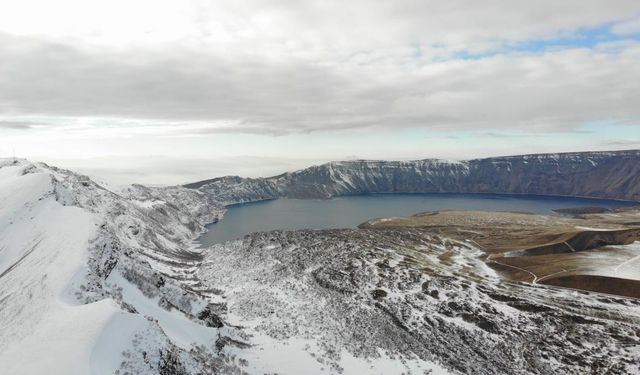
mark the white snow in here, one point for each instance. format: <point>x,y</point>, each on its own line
<point>629,268</point>
<point>43,248</point>
<point>594,229</point>
<point>386,365</point>
<point>180,329</point>
<point>117,336</point>
<point>147,203</point>
<point>300,356</point>
<point>62,342</point>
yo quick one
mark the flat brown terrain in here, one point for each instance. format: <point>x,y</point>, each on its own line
<point>595,252</point>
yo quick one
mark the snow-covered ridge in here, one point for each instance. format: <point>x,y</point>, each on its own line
<point>574,155</point>
<point>614,175</point>
<point>89,277</point>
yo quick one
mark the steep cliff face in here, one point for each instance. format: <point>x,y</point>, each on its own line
<point>614,175</point>
<point>233,189</point>
<point>590,174</point>
<point>357,177</point>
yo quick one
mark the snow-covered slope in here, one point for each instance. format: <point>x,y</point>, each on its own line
<point>82,272</point>
<point>42,327</point>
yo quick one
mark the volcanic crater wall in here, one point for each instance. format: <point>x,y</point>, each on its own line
<point>612,175</point>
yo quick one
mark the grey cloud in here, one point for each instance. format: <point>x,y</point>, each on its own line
<point>508,135</point>
<point>358,26</point>
<point>622,143</point>
<point>17,125</point>
<point>555,91</point>
<point>629,27</point>
<point>56,79</point>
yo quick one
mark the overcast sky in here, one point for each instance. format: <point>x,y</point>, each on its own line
<point>173,91</point>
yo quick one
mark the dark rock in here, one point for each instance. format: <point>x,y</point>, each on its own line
<point>210,319</point>
<point>225,341</point>
<point>488,326</point>
<point>379,294</point>
<point>170,364</point>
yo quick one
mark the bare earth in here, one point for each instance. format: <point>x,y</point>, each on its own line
<point>595,252</point>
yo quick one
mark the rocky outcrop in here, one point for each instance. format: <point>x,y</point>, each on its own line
<point>415,296</point>
<point>613,175</point>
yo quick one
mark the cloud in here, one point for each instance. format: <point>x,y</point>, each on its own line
<point>629,27</point>
<point>509,135</point>
<point>623,143</point>
<point>286,67</point>
<point>16,125</point>
<point>315,27</point>
<point>552,91</point>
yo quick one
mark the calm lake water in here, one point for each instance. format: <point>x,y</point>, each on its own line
<point>348,212</point>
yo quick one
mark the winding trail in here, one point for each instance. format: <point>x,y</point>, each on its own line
<point>535,277</point>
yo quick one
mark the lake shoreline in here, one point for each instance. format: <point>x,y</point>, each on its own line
<point>349,211</point>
